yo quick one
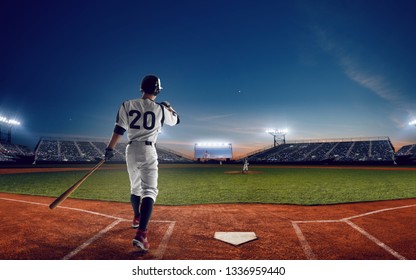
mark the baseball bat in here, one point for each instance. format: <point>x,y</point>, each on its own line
<point>167,105</point>
<point>68,192</point>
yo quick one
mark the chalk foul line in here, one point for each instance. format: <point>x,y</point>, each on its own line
<point>375,240</point>
<point>91,240</point>
<point>159,252</point>
<point>308,250</point>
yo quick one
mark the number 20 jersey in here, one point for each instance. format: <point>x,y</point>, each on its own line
<point>143,119</point>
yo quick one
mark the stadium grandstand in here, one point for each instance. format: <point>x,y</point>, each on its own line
<point>373,150</point>
<point>12,153</point>
<point>406,154</point>
<point>61,150</point>
<point>336,151</point>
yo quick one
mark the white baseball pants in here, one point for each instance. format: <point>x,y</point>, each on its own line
<point>142,166</point>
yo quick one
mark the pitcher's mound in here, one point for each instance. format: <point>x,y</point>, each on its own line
<point>241,172</point>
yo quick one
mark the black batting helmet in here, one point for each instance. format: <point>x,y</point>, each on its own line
<point>151,85</point>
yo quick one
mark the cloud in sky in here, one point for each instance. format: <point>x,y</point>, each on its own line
<point>352,68</point>
<point>375,83</point>
<point>379,84</point>
<point>214,117</point>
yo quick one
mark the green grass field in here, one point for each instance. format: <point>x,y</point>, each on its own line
<point>201,184</point>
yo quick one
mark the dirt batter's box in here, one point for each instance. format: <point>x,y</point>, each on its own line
<point>113,242</point>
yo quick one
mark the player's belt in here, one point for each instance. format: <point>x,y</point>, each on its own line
<point>147,143</point>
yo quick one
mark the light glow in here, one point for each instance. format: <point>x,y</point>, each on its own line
<point>276,131</point>
<point>212,144</point>
<point>9,121</point>
<point>412,123</point>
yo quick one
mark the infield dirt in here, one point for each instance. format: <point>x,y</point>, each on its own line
<point>82,229</point>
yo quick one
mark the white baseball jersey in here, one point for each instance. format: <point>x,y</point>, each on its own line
<point>143,119</point>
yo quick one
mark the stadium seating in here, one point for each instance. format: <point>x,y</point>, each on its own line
<point>14,153</point>
<point>348,151</point>
<point>407,150</point>
<point>351,151</point>
<point>406,154</point>
<point>84,150</point>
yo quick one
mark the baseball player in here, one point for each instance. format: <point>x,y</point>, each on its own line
<point>142,119</point>
<point>245,167</point>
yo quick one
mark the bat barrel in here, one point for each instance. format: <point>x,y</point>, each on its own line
<point>71,189</point>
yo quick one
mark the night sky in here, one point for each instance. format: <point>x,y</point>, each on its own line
<point>231,69</point>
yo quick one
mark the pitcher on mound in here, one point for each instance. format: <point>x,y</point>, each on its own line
<point>245,167</point>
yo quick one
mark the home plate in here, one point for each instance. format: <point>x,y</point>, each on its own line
<point>235,238</point>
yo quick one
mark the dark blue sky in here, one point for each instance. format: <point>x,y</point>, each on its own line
<point>232,69</point>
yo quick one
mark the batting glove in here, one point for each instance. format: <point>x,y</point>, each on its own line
<point>109,153</point>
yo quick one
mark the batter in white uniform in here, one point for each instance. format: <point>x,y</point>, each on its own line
<point>142,118</point>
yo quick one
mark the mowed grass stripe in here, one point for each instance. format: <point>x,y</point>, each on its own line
<point>210,184</point>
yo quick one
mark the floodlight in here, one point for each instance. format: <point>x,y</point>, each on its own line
<point>277,131</point>
<point>9,121</point>
<point>14,122</point>
<point>278,134</point>
<point>212,144</point>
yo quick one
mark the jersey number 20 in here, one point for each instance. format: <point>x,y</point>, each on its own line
<point>148,119</point>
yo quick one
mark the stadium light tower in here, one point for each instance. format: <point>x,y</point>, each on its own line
<point>9,123</point>
<point>278,135</point>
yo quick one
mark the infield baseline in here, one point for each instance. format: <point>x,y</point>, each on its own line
<point>158,253</point>
<point>308,250</point>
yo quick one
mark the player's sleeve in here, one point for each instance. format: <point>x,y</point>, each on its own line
<point>121,124</point>
<point>170,117</point>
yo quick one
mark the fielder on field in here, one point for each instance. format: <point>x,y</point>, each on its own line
<point>245,167</point>
<point>142,118</point>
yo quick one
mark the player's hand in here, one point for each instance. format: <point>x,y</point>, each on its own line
<point>167,105</point>
<point>109,153</point>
